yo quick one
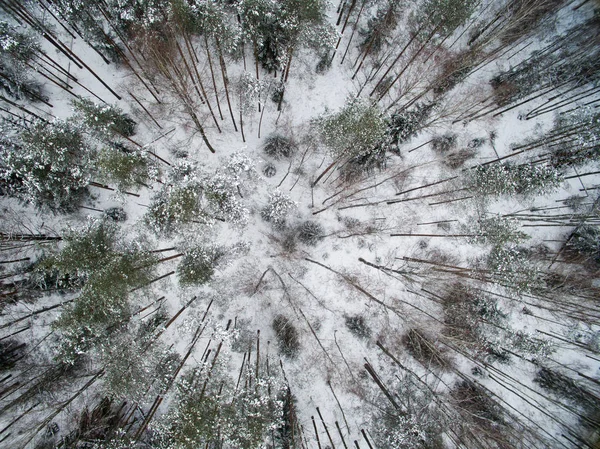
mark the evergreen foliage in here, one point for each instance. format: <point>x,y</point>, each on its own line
<point>278,146</point>
<point>175,206</point>
<point>585,241</point>
<point>277,209</point>
<point>287,336</point>
<point>358,326</point>
<point>310,233</point>
<point>17,50</point>
<point>354,130</point>
<point>48,165</point>
<point>496,230</point>
<point>444,16</point>
<point>126,170</point>
<point>105,120</point>
<point>404,124</point>
<point>508,179</point>
<point>417,424</point>
<point>109,268</point>
<point>512,267</point>
<point>198,265</point>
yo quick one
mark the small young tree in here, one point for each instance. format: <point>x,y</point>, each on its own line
<point>277,209</point>
<point>355,136</point>
<point>48,165</point>
<point>355,129</point>
<point>198,264</point>
<point>287,336</point>
<point>404,124</point>
<point>278,146</point>
<point>220,190</point>
<point>417,423</point>
<point>310,233</point>
<point>585,242</point>
<point>132,366</point>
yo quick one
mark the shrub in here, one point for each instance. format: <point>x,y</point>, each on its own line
<point>358,326</point>
<point>423,349</point>
<point>115,214</point>
<point>287,336</point>
<point>310,233</point>
<point>279,147</point>
<point>269,170</point>
<point>277,208</point>
<point>443,144</point>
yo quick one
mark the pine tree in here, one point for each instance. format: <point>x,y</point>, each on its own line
<point>48,165</point>
<point>17,50</point>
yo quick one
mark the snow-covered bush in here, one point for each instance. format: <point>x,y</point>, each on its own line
<point>287,336</point>
<point>310,233</point>
<point>277,208</point>
<point>47,164</point>
<point>358,326</point>
<point>278,146</point>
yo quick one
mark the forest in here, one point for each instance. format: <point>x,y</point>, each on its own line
<point>299,224</point>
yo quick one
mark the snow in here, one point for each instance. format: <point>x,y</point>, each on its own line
<point>315,299</point>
